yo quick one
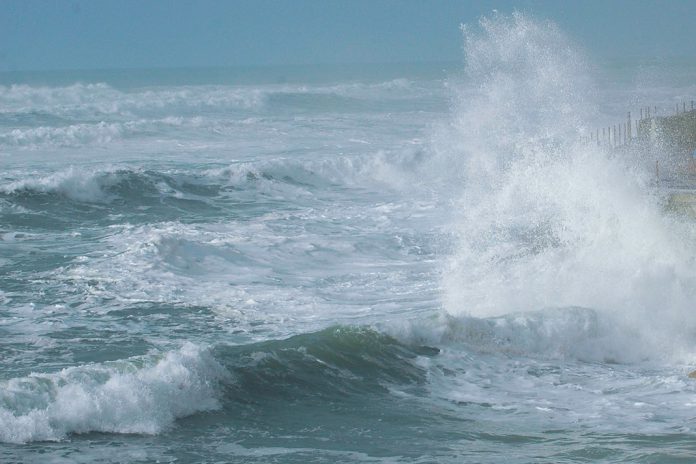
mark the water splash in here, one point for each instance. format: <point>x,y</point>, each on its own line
<point>546,221</point>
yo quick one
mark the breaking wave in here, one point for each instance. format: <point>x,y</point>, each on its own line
<point>145,395</point>
<point>290,175</point>
<point>138,395</point>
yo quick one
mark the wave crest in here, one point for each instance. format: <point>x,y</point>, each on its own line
<point>138,395</point>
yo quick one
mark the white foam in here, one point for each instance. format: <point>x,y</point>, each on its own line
<point>93,134</point>
<point>100,98</point>
<point>137,395</point>
<point>81,184</point>
<point>26,98</point>
<point>401,169</point>
<point>73,135</point>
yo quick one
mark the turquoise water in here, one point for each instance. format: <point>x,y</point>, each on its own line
<point>394,263</point>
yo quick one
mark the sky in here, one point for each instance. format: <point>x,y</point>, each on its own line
<point>105,34</point>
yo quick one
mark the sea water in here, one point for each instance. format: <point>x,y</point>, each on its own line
<point>383,263</point>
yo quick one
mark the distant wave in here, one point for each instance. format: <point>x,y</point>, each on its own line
<point>99,115</point>
<point>100,98</point>
<point>96,186</point>
<point>72,135</point>
<point>97,133</point>
<point>109,184</point>
<point>296,176</point>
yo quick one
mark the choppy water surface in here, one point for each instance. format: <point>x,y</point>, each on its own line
<point>387,264</point>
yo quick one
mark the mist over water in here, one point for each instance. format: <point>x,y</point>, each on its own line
<point>407,265</point>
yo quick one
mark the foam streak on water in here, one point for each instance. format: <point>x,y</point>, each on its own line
<point>402,265</point>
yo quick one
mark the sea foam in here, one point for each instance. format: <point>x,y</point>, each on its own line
<point>137,395</point>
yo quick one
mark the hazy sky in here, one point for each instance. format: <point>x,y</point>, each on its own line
<point>89,34</point>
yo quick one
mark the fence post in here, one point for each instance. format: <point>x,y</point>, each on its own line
<point>628,126</point>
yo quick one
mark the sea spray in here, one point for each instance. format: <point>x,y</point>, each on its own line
<point>547,221</point>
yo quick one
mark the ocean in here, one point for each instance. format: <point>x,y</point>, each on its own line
<point>383,263</point>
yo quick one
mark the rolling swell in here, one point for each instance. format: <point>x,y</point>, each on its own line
<point>102,195</point>
<point>95,187</point>
<point>73,196</point>
<point>334,363</point>
<point>145,194</point>
<point>146,394</point>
